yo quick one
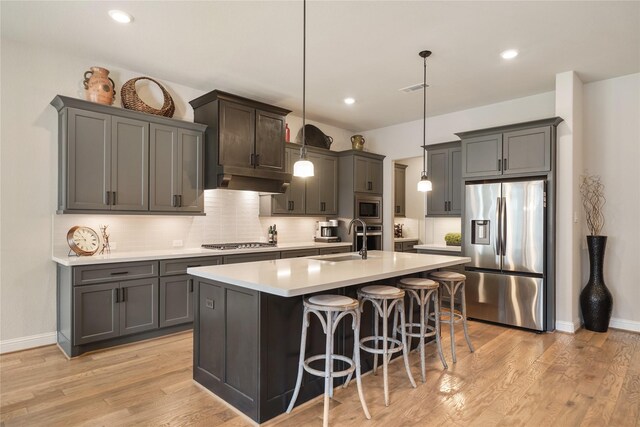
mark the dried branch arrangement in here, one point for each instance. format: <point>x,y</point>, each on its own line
<point>593,200</point>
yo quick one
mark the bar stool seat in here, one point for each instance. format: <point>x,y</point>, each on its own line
<point>330,309</point>
<point>454,282</point>
<point>384,299</point>
<point>422,291</point>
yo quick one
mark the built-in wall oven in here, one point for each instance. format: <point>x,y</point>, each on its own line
<point>374,237</point>
<point>369,208</point>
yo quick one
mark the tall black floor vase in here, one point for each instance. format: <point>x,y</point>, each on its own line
<point>596,301</point>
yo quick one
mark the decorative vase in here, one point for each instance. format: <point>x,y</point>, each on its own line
<point>357,142</point>
<point>596,301</point>
<point>99,86</point>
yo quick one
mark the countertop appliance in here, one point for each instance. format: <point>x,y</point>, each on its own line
<point>327,231</point>
<point>505,238</point>
<point>243,245</point>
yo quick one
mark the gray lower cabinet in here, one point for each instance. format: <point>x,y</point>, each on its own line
<point>298,253</point>
<point>116,309</point>
<point>523,148</point>
<point>444,170</point>
<point>105,164</point>
<point>259,256</point>
<point>407,246</point>
<point>176,172</point>
<point>335,250</point>
<point>399,194</point>
<point>176,300</point>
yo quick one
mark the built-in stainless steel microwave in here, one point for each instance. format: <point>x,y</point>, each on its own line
<point>369,208</point>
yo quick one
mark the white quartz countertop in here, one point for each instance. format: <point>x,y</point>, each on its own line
<point>299,276</point>
<point>439,247</point>
<point>115,256</point>
<point>405,239</point>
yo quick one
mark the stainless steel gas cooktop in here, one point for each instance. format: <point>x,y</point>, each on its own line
<point>244,245</point>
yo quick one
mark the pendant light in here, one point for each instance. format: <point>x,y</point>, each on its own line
<point>424,184</point>
<point>303,168</point>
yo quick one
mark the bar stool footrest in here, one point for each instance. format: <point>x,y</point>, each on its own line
<point>431,330</point>
<point>396,345</point>
<point>334,357</point>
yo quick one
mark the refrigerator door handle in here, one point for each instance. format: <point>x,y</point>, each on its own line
<point>498,240</point>
<point>503,237</point>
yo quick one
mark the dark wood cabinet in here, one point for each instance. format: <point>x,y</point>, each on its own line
<point>360,174</point>
<point>367,175</point>
<point>245,141</point>
<point>444,171</point>
<point>292,201</point>
<point>104,160</point>
<point>399,194</point>
<point>518,149</point>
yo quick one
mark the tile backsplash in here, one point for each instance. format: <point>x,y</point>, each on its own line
<point>231,216</point>
<point>436,228</point>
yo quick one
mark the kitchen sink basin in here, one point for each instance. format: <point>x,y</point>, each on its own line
<point>350,257</point>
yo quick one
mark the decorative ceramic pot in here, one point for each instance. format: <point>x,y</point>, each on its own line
<point>596,301</point>
<point>99,86</point>
<point>357,142</point>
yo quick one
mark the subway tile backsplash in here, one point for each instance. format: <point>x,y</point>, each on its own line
<point>231,216</point>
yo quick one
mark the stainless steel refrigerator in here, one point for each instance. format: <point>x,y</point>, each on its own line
<point>504,224</point>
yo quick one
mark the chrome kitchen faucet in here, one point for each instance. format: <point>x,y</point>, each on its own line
<point>363,250</point>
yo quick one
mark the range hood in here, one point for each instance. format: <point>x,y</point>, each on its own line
<point>245,143</point>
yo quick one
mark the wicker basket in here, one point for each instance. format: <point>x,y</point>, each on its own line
<point>131,100</point>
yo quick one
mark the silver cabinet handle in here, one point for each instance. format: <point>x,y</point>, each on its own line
<point>498,226</point>
<point>503,237</point>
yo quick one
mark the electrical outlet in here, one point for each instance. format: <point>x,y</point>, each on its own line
<point>113,246</point>
<point>177,243</point>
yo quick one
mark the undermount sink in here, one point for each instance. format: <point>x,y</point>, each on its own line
<point>350,257</point>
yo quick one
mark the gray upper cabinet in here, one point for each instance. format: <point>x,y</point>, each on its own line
<point>399,181</point>
<point>367,175</point>
<point>176,176</point>
<point>444,163</point>
<point>518,149</point>
<point>105,163</point>
<point>237,134</point>
<point>316,195</point>
<point>269,127</point>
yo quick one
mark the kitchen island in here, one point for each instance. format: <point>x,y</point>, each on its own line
<point>248,320</point>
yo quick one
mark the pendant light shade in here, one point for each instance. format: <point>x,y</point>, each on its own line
<point>303,168</point>
<point>424,184</point>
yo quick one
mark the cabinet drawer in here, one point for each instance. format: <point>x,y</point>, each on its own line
<point>264,256</point>
<point>408,246</point>
<point>87,275</point>
<point>397,247</point>
<point>338,250</point>
<point>172,267</point>
<point>298,253</point>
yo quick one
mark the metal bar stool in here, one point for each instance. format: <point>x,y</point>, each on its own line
<point>422,291</point>
<point>330,309</point>
<point>384,299</point>
<point>454,282</point>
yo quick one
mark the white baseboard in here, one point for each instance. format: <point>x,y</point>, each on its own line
<point>570,327</point>
<point>23,343</point>
<point>627,325</point>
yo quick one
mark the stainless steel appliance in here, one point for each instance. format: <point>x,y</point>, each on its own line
<point>373,235</point>
<point>327,231</point>
<point>245,245</point>
<point>368,208</point>
<point>504,235</point>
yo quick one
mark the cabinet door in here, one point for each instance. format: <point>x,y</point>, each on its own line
<point>374,175</point>
<point>88,160</point>
<point>291,201</point>
<point>190,171</point>
<point>129,164</point>
<point>237,135</point>
<point>527,150</point>
<point>482,156</point>
<point>399,183</point>
<point>269,141</point>
<point>455,181</point>
<point>176,300</point>
<point>138,306</point>
<point>438,172</point>
<point>261,256</point>
<point>95,313</point>
<point>163,160</point>
<point>360,175</point>
<point>322,188</point>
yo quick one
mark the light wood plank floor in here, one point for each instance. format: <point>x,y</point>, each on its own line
<point>514,378</point>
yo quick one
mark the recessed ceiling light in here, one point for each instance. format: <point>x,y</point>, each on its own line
<point>509,54</point>
<point>120,16</point>
<point>349,101</point>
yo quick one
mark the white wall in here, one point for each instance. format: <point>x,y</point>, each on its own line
<point>612,150</point>
<point>31,78</point>
<point>414,200</point>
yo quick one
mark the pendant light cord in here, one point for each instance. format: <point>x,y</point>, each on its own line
<point>303,153</point>
<point>424,120</point>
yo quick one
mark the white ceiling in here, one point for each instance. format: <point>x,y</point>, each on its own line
<point>364,49</point>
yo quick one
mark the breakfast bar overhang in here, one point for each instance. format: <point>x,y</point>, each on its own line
<point>248,320</point>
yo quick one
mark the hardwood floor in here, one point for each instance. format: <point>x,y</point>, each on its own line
<point>513,378</point>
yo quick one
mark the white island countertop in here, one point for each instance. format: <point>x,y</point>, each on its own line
<point>438,247</point>
<point>299,276</point>
<point>63,258</point>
